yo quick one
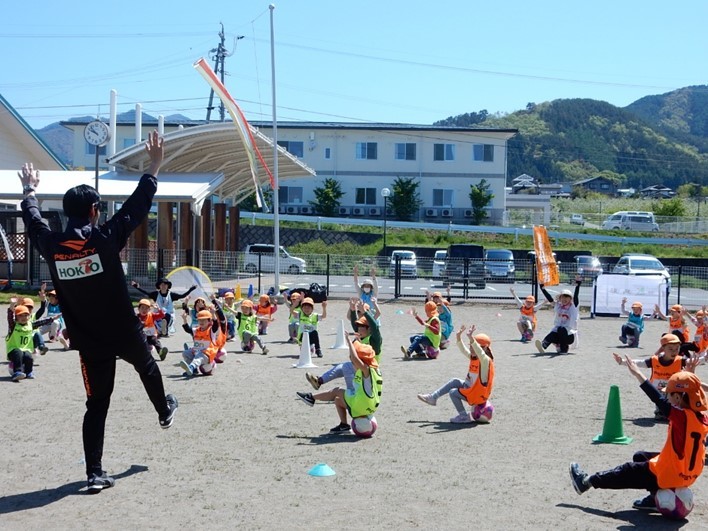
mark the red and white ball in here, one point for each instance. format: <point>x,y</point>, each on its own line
<point>674,503</point>
<point>483,413</point>
<point>364,426</point>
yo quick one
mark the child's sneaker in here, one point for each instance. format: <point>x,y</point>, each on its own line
<point>578,478</point>
<point>43,350</point>
<point>318,352</point>
<point>30,376</point>
<point>461,418</point>
<point>342,428</point>
<point>307,398</point>
<point>163,353</point>
<point>18,375</point>
<point>64,342</point>
<point>623,340</point>
<point>188,368</point>
<point>265,351</point>
<point>406,353</point>
<point>428,399</point>
<point>648,503</point>
<point>540,347</point>
<point>314,380</point>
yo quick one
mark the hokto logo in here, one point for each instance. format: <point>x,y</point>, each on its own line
<point>81,268</point>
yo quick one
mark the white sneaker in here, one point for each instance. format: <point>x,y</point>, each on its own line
<point>187,368</point>
<point>462,418</point>
<point>64,342</point>
<point>428,399</point>
<point>265,351</point>
<point>539,346</point>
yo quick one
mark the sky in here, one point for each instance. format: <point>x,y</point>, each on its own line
<point>385,61</point>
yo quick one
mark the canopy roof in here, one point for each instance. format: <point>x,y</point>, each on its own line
<point>216,148</point>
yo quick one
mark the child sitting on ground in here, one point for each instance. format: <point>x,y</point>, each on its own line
<point>527,320</point>
<point>199,305</point>
<point>565,321</point>
<point>265,310</point>
<point>209,338</point>
<point>444,314</point>
<point>700,338</point>
<point>230,310</point>
<point>49,301</point>
<point>149,320</point>
<point>19,337</point>
<point>308,323</point>
<point>293,301</point>
<point>246,325</point>
<point>677,320</point>
<point>477,386</point>
<point>665,362</point>
<point>363,397</point>
<point>681,460</point>
<point>368,288</point>
<point>37,339</point>
<point>634,326</point>
<point>165,299</point>
<point>427,344</point>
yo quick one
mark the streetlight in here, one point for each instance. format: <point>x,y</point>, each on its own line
<point>385,193</point>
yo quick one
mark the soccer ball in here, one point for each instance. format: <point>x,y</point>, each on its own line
<point>220,356</point>
<point>482,413</point>
<point>247,347</point>
<point>431,352</point>
<point>674,503</point>
<point>206,368</point>
<point>364,426</point>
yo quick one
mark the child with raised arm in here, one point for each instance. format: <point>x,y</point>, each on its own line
<point>165,299</point>
<point>477,386</point>
<point>265,310</point>
<point>700,338</point>
<point>230,309</point>
<point>444,314</point>
<point>149,320</point>
<point>527,320</point>
<point>37,339</point>
<point>364,395</point>
<point>293,301</point>
<point>427,344</point>
<point>368,288</point>
<point>565,321</point>
<point>677,321</point>
<point>247,327</point>
<point>681,460</point>
<point>208,341</point>
<point>308,323</point>
<point>634,326</point>
<point>56,328</point>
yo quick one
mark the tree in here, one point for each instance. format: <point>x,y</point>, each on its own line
<point>670,207</point>
<point>327,197</point>
<point>405,198</point>
<point>480,197</point>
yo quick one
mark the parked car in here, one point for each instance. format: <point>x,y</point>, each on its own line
<point>577,219</point>
<point>409,263</point>
<point>588,266</point>
<point>264,254</point>
<point>439,263</point>
<point>465,261</point>
<point>641,264</point>
<point>499,264</point>
<point>637,221</point>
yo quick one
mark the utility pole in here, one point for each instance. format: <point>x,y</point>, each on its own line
<point>220,53</point>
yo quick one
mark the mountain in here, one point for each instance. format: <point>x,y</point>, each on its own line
<point>573,139</point>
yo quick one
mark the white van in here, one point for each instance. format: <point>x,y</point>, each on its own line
<point>262,255</point>
<point>615,221</point>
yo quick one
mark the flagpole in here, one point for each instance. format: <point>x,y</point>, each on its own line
<point>276,186</point>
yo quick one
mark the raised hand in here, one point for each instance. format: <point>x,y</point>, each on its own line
<point>28,175</point>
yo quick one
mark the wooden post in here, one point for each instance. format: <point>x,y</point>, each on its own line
<point>219,227</point>
<point>234,226</point>
<point>206,244</point>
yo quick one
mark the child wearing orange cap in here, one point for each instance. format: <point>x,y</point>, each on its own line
<point>364,395</point>
<point>265,310</point>
<point>293,301</point>
<point>37,339</point>
<point>476,388</point>
<point>19,337</point>
<point>700,338</point>
<point>165,299</point>
<point>247,327</point>
<point>149,320</point>
<point>682,458</point>
<point>634,326</point>
<point>565,320</point>
<point>527,320</point>
<point>49,301</point>
<point>427,344</point>
<point>309,321</point>
<point>677,321</point>
<point>228,305</point>
<point>444,314</point>
<point>209,339</point>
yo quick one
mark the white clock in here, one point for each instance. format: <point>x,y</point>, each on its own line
<point>97,133</point>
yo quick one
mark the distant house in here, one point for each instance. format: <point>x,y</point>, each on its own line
<point>524,184</point>
<point>657,191</point>
<point>599,184</point>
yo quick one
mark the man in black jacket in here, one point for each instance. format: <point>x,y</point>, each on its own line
<point>85,267</point>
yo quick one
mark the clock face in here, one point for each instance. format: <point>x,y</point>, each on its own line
<point>97,133</point>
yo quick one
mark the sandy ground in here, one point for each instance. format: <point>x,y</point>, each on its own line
<point>242,444</point>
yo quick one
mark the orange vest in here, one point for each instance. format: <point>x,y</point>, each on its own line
<point>479,392</point>
<point>264,311</point>
<point>148,322</point>
<point>679,324</point>
<point>701,337</point>
<point>680,467</point>
<point>660,374</point>
<point>530,313</point>
<point>208,342</point>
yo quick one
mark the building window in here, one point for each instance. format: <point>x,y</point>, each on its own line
<point>405,151</point>
<point>443,151</point>
<point>127,142</point>
<point>91,149</point>
<point>604,186</point>
<point>483,152</point>
<point>366,196</point>
<point>290,194</point>
<point>442,198</point>
<point>294,148</point>
<point>328,153</point>
<point>366,150</point>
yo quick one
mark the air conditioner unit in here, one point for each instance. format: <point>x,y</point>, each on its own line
<point>306,210</point>
<point>374,211</point>
<point>446,212</point>
<point>281,210</point>
<point>431,212</point>
<point>358,211</point>
<point>344,211</point>
<point>292,209</point>
<point>469,213</point>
